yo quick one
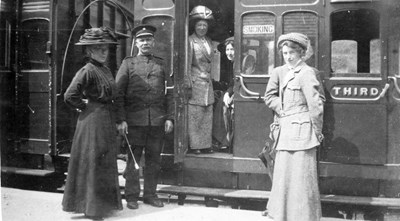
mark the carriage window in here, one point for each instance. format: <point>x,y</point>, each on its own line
<point>108,16</point>
<point>154,4</point>
<point>355,43</point>
<point>123,49</point>
<point>257,49</point>
<point>275,2</point>
<point>306,23</point>
<point>344,56</point>
<point>163,36</point>
<point>94,15</point>
<point>34,37</point>
<point>5,37</point>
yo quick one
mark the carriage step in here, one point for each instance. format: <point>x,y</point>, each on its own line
<point>27,171</point>
<point>264,195</point>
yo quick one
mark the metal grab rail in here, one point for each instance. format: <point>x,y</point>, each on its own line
<point>396,86</point>
<point>72,32</point>
<point>254,95</point>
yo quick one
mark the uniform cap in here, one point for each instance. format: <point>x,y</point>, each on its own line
<point>97,36</point>
<point>144,30</point>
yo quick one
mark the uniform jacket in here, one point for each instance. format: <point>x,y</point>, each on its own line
<point>297,97</point>
<point>199,76</point>
<point>141,99</point>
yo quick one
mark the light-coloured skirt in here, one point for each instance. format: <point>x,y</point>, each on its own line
<point>295,194</point>
<point>200,126</point>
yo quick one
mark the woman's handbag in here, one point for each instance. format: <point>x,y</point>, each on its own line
<point>267,154</point>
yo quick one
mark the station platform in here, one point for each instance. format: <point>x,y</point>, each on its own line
<point>26,205</point>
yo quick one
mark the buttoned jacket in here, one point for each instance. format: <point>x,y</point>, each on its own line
<point>199,76</point>
<point>297,97</point>
<point>142,99</point>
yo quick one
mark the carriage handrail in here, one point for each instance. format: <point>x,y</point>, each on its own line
<point>254,95</point>
<point>396,85</point>
<point>72,32</point>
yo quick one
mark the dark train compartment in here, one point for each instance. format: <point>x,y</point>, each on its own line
<point>38,63</point>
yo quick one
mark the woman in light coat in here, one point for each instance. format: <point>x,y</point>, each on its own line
<point>296,95</point>
<point>200,108</point>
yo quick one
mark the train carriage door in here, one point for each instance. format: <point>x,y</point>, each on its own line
<point>7,74</point>
<point>254,61</point>
<point>33,78</point>
<point>356,117</point>
<point>392,187</point>
<point>258,56</point>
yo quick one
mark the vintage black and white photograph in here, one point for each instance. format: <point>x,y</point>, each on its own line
<point>208,110</point>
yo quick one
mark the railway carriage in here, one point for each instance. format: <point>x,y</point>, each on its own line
<point>356,50</point>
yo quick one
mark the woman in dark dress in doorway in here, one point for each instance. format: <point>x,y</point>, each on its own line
<point>92,183</point>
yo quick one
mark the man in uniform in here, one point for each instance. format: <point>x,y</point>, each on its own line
<point>144,114</point>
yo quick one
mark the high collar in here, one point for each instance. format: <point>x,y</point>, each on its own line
<point>95,62</point>
<point>297,67</point>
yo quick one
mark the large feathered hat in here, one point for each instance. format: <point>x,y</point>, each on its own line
<point>201,12</point>
<point>97,36</point>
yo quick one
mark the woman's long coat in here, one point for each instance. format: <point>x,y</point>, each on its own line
<point>296,95</point>
<point>298,98</point>
<point>92,183</point>
<point>199,76</point>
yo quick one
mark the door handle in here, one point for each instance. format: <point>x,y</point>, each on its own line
<point>253,95</point>
<point>396,85</point>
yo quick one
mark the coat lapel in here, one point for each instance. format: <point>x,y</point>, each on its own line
<point>203,47</point>
<point>289,75</point>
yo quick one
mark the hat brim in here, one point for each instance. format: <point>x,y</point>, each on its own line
<point>144,35</point>
<point>97,43</point>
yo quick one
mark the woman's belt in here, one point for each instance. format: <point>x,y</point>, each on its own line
<point>296,110</point>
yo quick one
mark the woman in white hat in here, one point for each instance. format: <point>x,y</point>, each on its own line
<point>296,95</point>
<point>92,183</point>
<point>199,81</point>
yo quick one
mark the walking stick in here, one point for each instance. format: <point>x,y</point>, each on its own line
<point>129,147</point>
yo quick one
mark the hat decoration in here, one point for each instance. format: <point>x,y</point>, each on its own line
<point>144,30</point>
<point>201,12</point>
<point>96,36</point>
<point>300,39</point>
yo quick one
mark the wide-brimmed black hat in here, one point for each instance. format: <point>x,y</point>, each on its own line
<point>98,36</point>
<point>144,30</point>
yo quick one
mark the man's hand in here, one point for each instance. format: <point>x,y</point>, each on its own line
<point>169,126</point>
<point>122,128</point>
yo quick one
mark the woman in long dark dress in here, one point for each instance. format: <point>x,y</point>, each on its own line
<point>223,107</point>
<point>92,183</point>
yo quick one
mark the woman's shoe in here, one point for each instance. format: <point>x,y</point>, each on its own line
<point>208,150</point>
<point>196,151</point>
